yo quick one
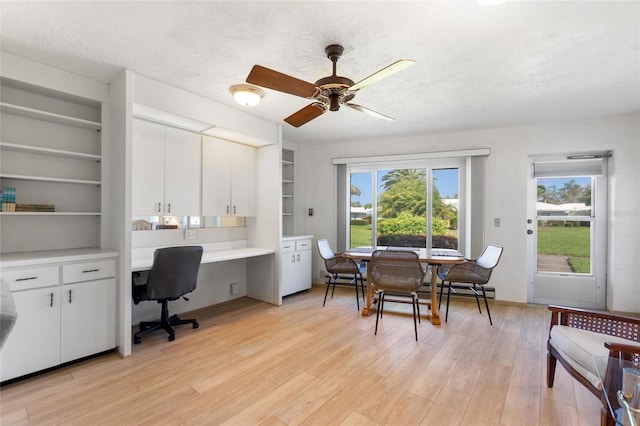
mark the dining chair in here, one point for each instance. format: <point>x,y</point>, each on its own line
<point>338,267</point>
<point>470,273</point>
<point>396,273</point>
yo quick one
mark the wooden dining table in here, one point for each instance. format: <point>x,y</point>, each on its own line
<point>432,257</point>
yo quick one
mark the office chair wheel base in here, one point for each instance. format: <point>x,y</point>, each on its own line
<point>196,325</point>
<point>171,337</point>
<point>137,340</point>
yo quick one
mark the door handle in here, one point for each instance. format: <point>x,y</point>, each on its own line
<point>529,232</point>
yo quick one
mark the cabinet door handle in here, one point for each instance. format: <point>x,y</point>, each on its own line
<point>227,209</point>
<point>51,300</point>
<point>234,209</point>
<point>86,271</point>
<point>69,296</point>
<point>168,207</point>
<point>26,279</point>
<point>293,258</point>
<point>298,258</point>
<point>159,207</point>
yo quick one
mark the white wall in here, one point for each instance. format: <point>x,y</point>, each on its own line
<point>506,183</point>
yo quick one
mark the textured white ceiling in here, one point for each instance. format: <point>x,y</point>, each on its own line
<point>477,67</point>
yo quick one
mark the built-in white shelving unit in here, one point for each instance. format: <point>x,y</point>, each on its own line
<point>288,177</point>
<point>51,154</point>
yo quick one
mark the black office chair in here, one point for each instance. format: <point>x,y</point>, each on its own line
<point>173,274</point>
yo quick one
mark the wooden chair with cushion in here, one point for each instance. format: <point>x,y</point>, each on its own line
<point>396,273</point>
<point>576,336</point>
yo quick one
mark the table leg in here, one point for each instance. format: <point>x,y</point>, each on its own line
<point>368,307</point>
<point>435,317</point>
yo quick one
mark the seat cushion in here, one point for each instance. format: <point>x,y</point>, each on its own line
<point>344,268</point>
<point>579,347</point>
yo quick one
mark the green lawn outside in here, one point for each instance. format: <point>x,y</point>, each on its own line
<point>568,241</point>
<point>360,235</point>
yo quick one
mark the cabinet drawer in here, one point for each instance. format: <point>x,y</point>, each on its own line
<point>88,271</point>
<point>304,244</point>
<point>288,246</point>
<point>25,279</point>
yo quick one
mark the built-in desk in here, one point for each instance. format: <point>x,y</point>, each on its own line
<point>144,263</point>
<point>250,267</point>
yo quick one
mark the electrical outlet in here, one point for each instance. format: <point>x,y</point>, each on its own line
<point>234,288</point>
<point>189,234</point>
<point>496,222</point>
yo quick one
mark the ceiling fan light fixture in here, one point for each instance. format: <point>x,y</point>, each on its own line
<point>246,95</point>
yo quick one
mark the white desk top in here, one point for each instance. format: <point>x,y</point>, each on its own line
<point>27,259</point>
<point>144,263</point>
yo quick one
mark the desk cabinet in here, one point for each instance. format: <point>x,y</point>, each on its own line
<point>296,264</point>
<point>166,170</point>
<point>228,178</point>
<point>65,312</point>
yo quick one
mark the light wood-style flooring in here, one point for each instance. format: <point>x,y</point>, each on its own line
<point>253,363</point>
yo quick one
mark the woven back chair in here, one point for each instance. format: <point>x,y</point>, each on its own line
<point>396,273</point>
<point>471,274</point>
<point>339,267</point>
<point>580,338</point>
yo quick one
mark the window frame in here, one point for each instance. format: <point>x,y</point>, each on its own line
<point>429,164</point>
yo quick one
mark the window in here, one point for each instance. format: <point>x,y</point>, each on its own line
<point>406,204</point>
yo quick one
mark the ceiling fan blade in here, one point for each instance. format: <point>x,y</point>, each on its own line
<point>306,114</point>
<point>383,73</point>
<point>370,112</point>
<point>265,77</point>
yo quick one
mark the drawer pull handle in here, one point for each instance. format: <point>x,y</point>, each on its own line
<point>27,279</point>
<point>90,270</point>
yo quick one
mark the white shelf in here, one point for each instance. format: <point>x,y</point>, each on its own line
<point>50,179</point>
<point>287,196</point>
<point>49,116</point>
<point>287,163</point>
<point>50,214</point>
<point>49,151</point>
<point>287,214</point>
<point>287,181</point>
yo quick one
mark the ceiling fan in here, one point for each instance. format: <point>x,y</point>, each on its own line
<point>328,92</point>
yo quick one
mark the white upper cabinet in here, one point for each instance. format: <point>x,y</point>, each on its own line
<point>182,172</point>
<point>166,170</point>
<point>228,178</point>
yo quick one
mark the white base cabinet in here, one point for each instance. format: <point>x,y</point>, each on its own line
<point>66,311</point>
<point>296,257</point>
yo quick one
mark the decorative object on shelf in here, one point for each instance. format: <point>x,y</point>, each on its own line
<point>35,208</point>
<point>142,225</point>
<point>8,199</point>
<point>166,226</point>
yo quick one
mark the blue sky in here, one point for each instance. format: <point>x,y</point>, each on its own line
<point>446,182</point>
